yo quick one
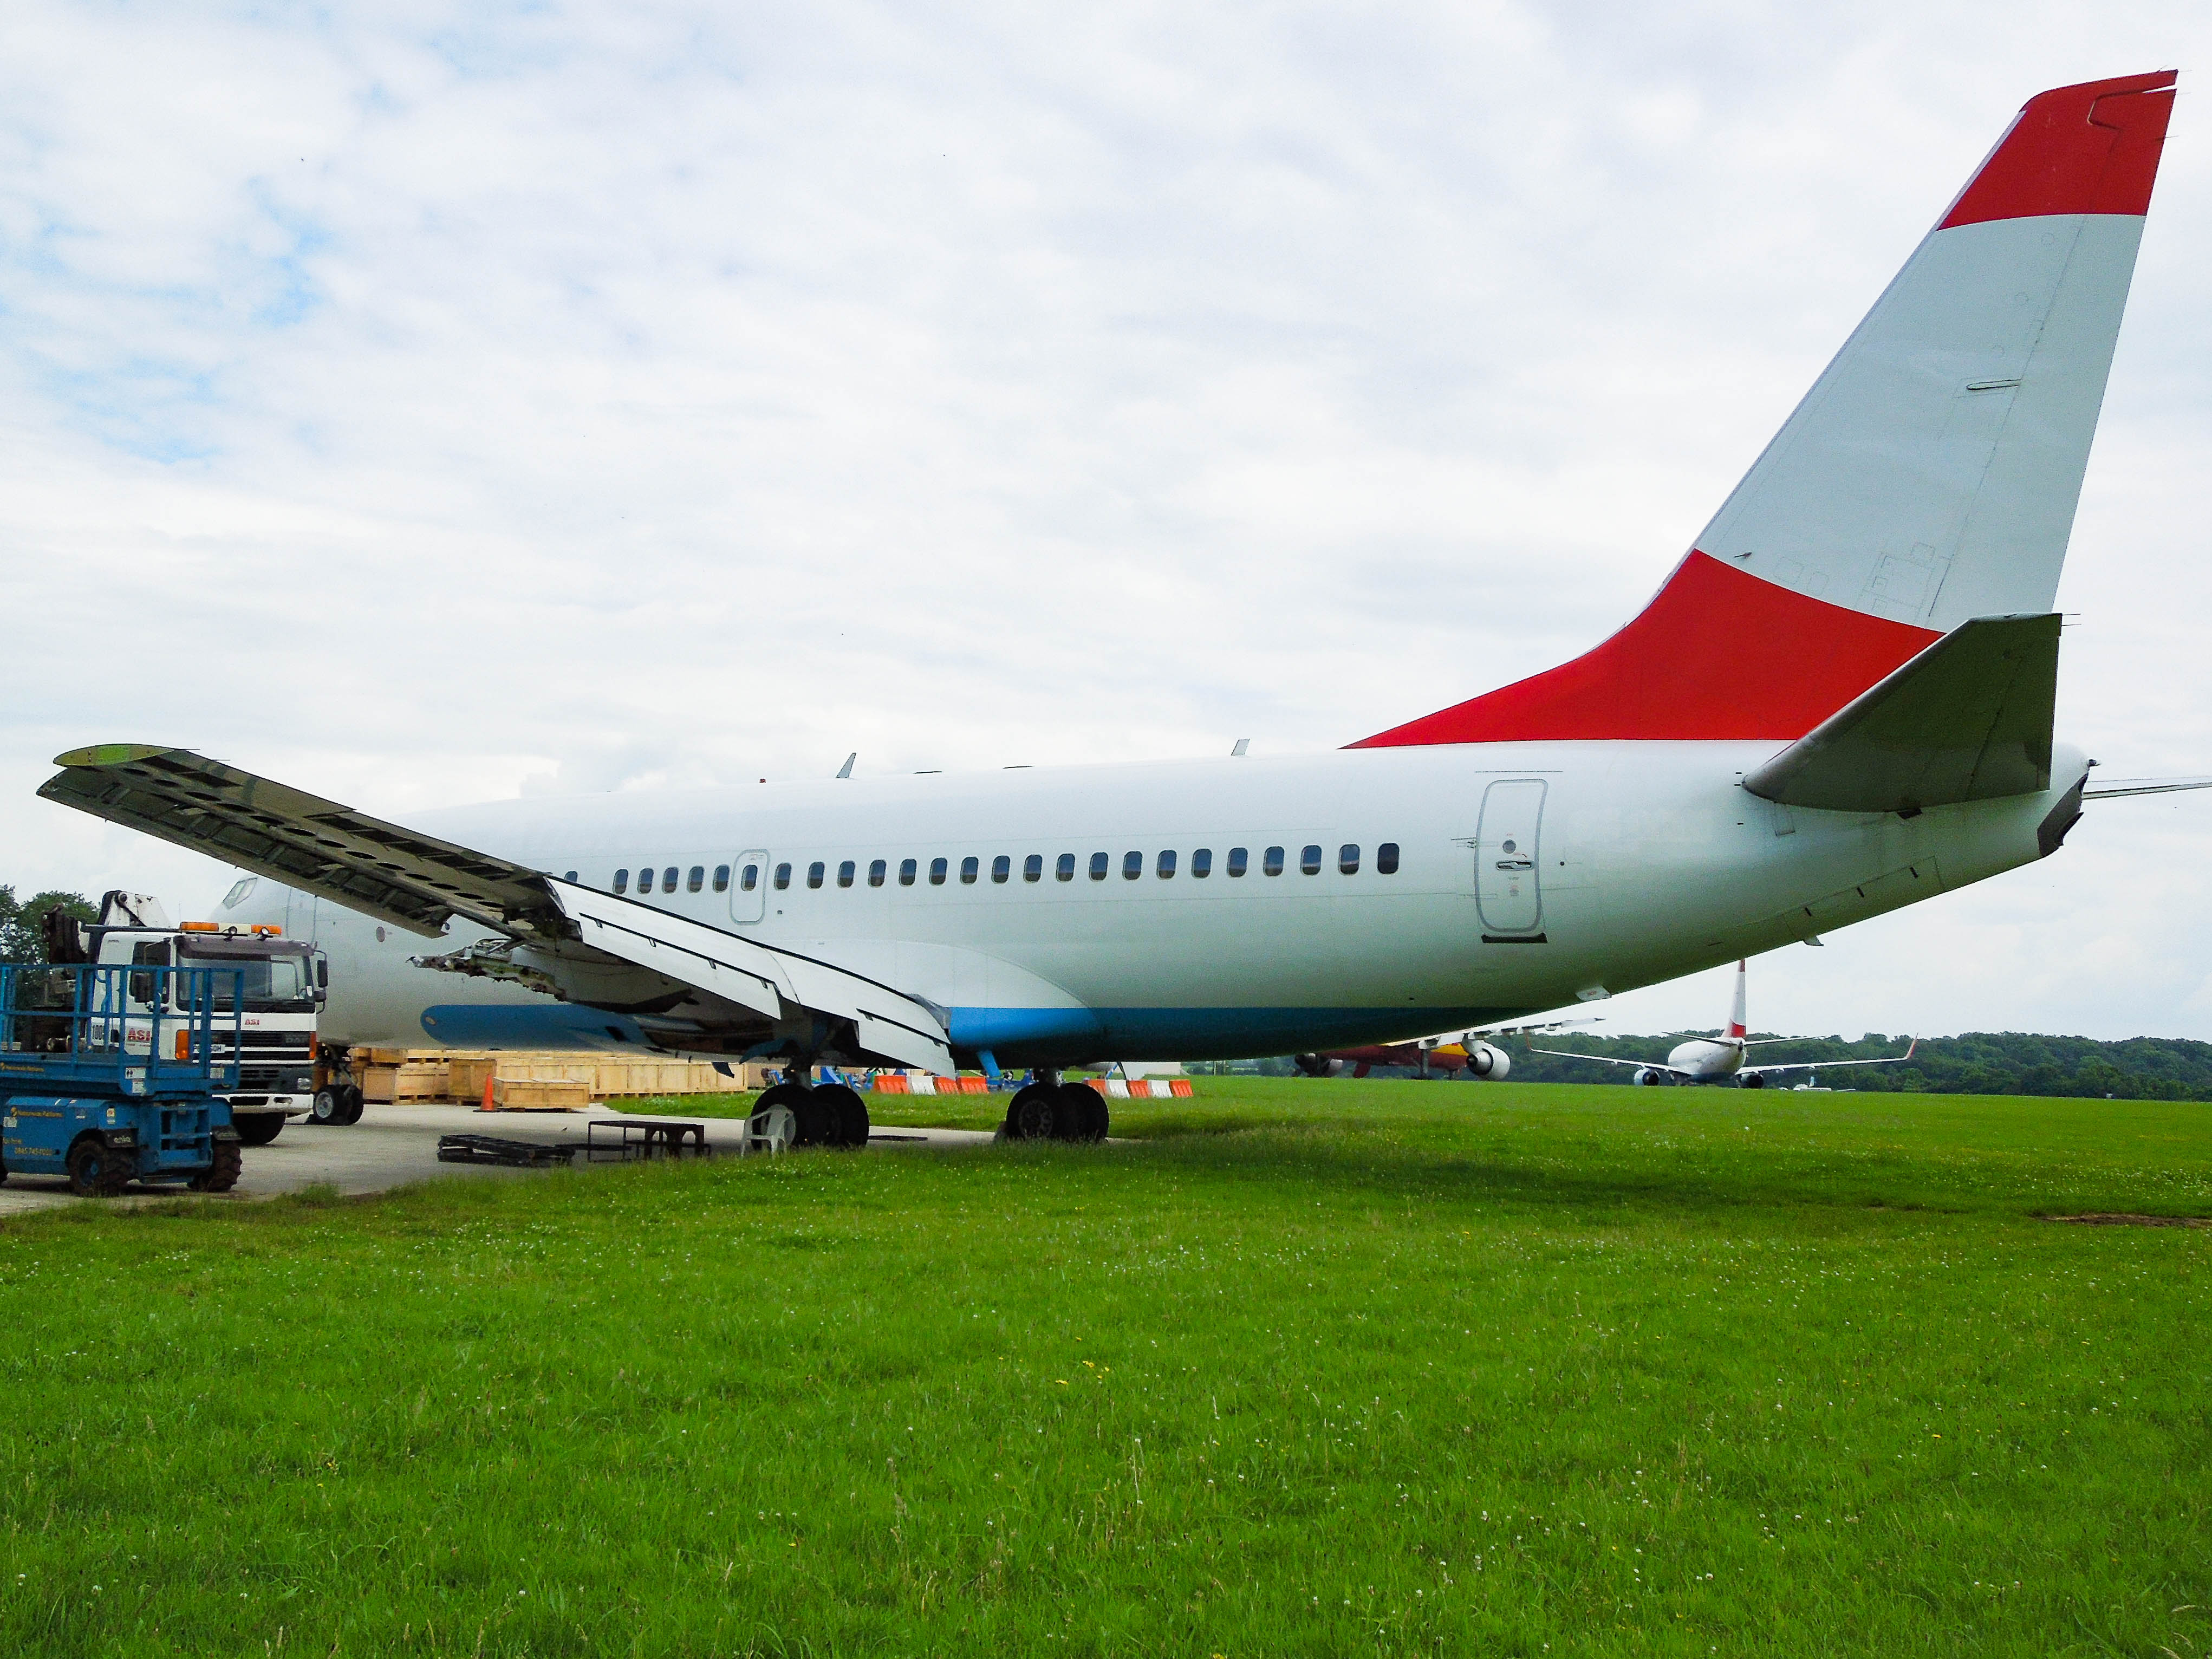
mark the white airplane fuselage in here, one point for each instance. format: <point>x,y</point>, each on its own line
<point>1706,1060</point>
<point>1630,863</point>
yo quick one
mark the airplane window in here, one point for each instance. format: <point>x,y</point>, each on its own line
<point>783,877</point>
<point>721,878</point>
<point>1310,860</point>
<point>814,874</point>
<point>568,875</point>
<point>1033,868</point>
<point>937,867</point>
<point>968,872</point>
<point>1099,862</point>
<point>236,896</point>
<point>1132,866</point>
<point>621,881</point>
<point>1166,865</point>
<point>1270,861</point>
<point>1201,863</point>
<point>1001,868</point>
<point>1237,857</point>
<point>1347,860</point>
<point>906,872</point>
<point>645,880</point>
<point>668,879</point>
<point>696,879</point>
<point>1386,859</point>
<point>749,877</point>
<point>845,873</point>
<point>876,873</point>
<point>1065,869</point>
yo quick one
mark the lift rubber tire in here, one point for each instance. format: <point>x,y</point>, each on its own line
<point>95,1169</point>
<point>354,1101</point>
<point>329,1107</point>
<point>258,1128</point>
<point>1035,1112</point>
<point>845,1117</point>
<point>804,1108</point>
<point>223,1174</point>
<point>1082,1107</point>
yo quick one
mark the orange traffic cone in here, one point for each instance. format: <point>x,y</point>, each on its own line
<point>488,1077</point>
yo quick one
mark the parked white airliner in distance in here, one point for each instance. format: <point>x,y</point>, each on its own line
<point>1839,702</point>
<point>1718,1059</point>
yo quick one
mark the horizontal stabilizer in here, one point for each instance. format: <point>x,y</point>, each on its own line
<point>1968,719</point>
<point>2117,787</point>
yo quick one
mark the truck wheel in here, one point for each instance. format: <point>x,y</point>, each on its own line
<point>221,1176</point>
<point>95,1169</point>
<point>258,1128</point>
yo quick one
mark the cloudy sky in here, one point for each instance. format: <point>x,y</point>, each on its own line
<point>423,403</point>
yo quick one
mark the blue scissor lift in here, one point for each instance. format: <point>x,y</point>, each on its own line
<point>107,1078</point>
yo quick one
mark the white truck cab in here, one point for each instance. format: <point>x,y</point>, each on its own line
<point>281,985</point>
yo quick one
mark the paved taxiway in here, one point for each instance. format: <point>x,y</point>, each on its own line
<point>394,1145</point>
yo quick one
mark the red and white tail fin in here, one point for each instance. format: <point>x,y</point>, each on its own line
<point>1930,475</point>
<point>1736,1027</point>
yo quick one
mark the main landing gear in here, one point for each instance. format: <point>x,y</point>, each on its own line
<point>1050,1110</point>
<point>831,1116</point>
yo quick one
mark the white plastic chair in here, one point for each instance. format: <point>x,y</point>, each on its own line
<point>771,1130</point>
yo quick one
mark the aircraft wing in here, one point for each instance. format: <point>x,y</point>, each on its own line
<point>1608,1060</point>
<point>422,884</point>
<point>1828,1064</point>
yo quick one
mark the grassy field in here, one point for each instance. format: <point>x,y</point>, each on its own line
<point>1307,1367</point>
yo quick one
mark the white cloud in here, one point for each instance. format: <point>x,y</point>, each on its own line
<point>422,403</point>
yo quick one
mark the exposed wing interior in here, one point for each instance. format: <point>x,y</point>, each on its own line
<point>411,880</point>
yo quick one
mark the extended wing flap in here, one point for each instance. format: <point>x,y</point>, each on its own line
<point>411,880</point>
<point>761,977</point>
<point>1968,719</point>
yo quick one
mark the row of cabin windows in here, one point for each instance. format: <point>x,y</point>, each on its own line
<point>1101,864</point>
<point>693,882</point>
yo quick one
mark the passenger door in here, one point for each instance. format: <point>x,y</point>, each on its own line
<point>1507,889</point>
<point>749,886</point>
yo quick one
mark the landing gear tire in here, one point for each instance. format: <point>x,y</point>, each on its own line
<point>353,1103</point>
<point>223,1174</point>
<point>799,1100</point>
<point>1083,1111</point>
<point>96,1170</point>
<point>258,1128</point>
<point>1036,1113</point>
<point>329,1107</point>
<point>845,1115</point>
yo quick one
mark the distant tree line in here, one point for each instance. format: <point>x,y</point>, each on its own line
<point>22,922</point>
<point>1973,1063</point>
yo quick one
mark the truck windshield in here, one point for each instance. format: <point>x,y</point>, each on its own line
<point>269,981</point>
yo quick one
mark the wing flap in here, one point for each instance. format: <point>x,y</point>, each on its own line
<point>1968,719</point>
<point>759,976</point>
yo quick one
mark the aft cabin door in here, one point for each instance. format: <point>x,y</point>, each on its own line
<point>1505,855</point>
<point>749,887</point>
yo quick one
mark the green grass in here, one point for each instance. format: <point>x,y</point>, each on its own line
<point>1308,1368</point>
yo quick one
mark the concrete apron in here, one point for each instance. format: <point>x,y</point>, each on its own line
<point>396,1146</point>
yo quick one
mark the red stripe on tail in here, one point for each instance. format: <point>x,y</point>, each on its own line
<point>1717,654</point>
<point>2090,149</point>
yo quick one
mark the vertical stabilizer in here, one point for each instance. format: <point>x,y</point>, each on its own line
<point>1929,476</point>
<point>1736,1027</point>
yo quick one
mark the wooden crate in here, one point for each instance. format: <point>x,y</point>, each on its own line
<point>422,1079</point>
<point>540,1095</point>
<point>379,1083</point>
